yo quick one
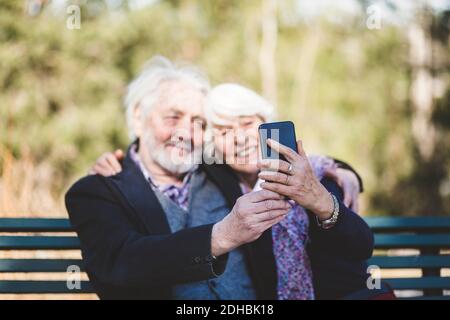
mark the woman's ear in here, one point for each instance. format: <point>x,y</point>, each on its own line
<point>137,121</point>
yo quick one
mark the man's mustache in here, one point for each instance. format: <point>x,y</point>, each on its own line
<point>180,144</point>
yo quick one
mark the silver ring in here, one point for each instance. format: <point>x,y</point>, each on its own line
<point>290,168</point>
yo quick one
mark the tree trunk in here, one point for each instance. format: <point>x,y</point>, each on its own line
<point>269,28</point>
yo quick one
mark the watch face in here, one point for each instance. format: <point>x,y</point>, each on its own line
<point>328,224</point>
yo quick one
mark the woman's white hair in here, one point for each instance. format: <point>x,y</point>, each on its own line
<point>143,90</point>
<point>233,100</point>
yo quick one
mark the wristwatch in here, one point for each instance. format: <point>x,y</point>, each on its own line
<point>330,222</point>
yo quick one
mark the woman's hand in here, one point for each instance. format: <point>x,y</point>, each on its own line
<point>295,179</point>
<point>108,164</point>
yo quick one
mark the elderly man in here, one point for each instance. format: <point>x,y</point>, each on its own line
<point>167,227</point>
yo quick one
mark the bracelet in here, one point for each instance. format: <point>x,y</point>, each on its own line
<point>330,222</point>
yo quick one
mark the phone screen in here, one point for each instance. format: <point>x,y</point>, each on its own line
<point>283,132</point>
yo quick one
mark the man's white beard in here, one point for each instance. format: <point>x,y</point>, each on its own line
<point>174,164</point>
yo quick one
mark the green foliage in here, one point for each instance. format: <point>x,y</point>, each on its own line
<point>346,87</point>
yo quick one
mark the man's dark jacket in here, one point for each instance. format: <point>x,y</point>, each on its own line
<point>130,253</point>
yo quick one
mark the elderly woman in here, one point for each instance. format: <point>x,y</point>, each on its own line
<point>234,113</point>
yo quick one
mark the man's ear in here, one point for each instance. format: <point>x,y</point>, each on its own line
<point>137,121</point>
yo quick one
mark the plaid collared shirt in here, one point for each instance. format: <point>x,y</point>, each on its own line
<point>178,194</point>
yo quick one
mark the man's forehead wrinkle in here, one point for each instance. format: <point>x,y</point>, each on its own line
<point>170,92</point>
<point>182,87</point>
<point>181,98</point>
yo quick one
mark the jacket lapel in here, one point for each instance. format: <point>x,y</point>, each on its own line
<point>140,196</point>
<point>226,180</point>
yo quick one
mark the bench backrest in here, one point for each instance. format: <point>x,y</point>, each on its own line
<point>62,241</point>
<point>430,236</point>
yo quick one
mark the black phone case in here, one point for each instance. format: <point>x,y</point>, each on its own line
<point>283,132</point>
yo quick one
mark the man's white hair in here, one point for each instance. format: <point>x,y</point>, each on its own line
<point>143,90</point>
<point>233,100</point>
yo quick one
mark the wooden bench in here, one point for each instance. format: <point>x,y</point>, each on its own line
<point>60,242</point>
<point>430,236</point>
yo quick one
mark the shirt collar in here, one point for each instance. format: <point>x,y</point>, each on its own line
<point>137,160</point>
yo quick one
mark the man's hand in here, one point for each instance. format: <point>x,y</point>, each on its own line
<point>108,164</point>
<point>252,214</point>
<point>349,183</point>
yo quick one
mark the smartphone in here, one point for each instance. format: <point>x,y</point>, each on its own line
<point>283,132</point>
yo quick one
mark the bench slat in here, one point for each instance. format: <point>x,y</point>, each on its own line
<point>38,242</point>
<point>16,286</point>
<point>34,225</point>
<point>408,224</point>
<point>411,261</point>
<point>38,265</point>
<point>378,224</point>
<point>388,241</point>
<point>419,283</point>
